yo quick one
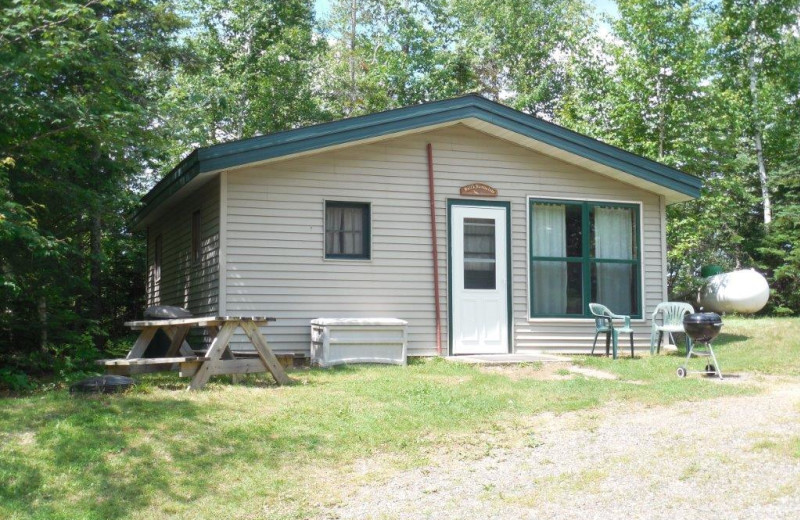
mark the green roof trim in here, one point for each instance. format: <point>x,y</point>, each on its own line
<point>238,153</point>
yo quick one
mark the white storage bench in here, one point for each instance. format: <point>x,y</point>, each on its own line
<point>336,341</point>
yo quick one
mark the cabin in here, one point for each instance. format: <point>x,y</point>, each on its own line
<point>486,229</point>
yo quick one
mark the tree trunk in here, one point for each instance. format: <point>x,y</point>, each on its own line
<point>661,117</point>
<point>762,177</point>
<point>96,251</point>
<point>757,134</point>
<point>95,265</point>
<point>42,309</point>
<point>353,24</point>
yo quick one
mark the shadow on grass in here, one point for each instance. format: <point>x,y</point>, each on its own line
<point>107,457</point>
<point>720,341</point>
<point>727,339</point>
<point>171,381</point>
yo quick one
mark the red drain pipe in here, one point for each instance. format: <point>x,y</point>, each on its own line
<point>435,252</point>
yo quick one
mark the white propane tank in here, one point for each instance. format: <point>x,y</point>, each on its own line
<point>744,291</point>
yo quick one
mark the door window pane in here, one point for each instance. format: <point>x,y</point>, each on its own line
<point>480,262</point>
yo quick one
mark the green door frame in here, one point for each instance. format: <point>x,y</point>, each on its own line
<point>484,203</point>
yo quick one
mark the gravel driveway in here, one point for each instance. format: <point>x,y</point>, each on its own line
<point>733,457</point>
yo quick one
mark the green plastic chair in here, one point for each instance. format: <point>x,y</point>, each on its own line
<point>672,314</point>
<point>604,323</point>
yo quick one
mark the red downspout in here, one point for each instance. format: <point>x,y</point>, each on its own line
<point>435,253</point>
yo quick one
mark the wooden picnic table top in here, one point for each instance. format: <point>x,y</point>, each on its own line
<point>199,322</point>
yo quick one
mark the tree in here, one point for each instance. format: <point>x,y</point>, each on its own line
<point>757,65</point>
<point>642,88</point>
<point>751,37</point>
<point>713,90</point>
<point>248,72</point>
<point>386,54</point>
<point>520,49</point>
<point>389,53</point>
<point>645,89</point>
<point>78,80</point>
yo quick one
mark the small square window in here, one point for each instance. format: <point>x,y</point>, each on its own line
<point>347,230</point>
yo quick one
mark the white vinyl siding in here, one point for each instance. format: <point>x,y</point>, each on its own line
<point>275,235</point>
<point>184,281</point>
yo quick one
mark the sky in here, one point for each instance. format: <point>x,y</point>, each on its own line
<point>608,7</point>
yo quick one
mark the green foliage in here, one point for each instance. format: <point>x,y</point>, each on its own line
<point>520,49</point>
<point>19,229</point>
<point>674,84</point>
<point>247,71</point>
<point>779,252</point>
<point>385,53</point>
<point>77,88</point>
<point>15,380</point>
<point>75,360</point>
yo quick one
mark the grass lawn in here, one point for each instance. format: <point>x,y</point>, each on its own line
<point>258,451</point>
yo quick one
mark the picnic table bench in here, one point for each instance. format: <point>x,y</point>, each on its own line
<point>217,360</point>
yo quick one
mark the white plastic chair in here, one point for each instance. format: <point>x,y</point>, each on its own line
<point>672,314</point>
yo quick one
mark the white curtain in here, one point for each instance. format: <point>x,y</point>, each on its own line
<point>343,228</point>
<point>549,238</point>
<point>614,239</point>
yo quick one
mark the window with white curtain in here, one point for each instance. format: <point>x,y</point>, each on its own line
<point>347,230</point>
<point>583,252</point>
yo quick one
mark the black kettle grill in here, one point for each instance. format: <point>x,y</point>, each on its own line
<point>702,328</point>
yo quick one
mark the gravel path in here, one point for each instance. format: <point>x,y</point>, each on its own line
<point>732,458</point>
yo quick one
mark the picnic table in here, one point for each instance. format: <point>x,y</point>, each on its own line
<point>217,360</point>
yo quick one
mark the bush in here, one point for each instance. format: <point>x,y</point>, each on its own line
<point>15,380</point>
<point>74,360</point>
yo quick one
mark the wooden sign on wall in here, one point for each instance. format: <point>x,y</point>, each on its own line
<point>478,189</point>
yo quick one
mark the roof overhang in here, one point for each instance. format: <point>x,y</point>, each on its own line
<point>472,110</point>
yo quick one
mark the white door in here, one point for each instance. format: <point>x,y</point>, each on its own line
<point>479,277</point>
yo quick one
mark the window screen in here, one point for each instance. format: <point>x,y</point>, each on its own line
<point>480,260</point>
